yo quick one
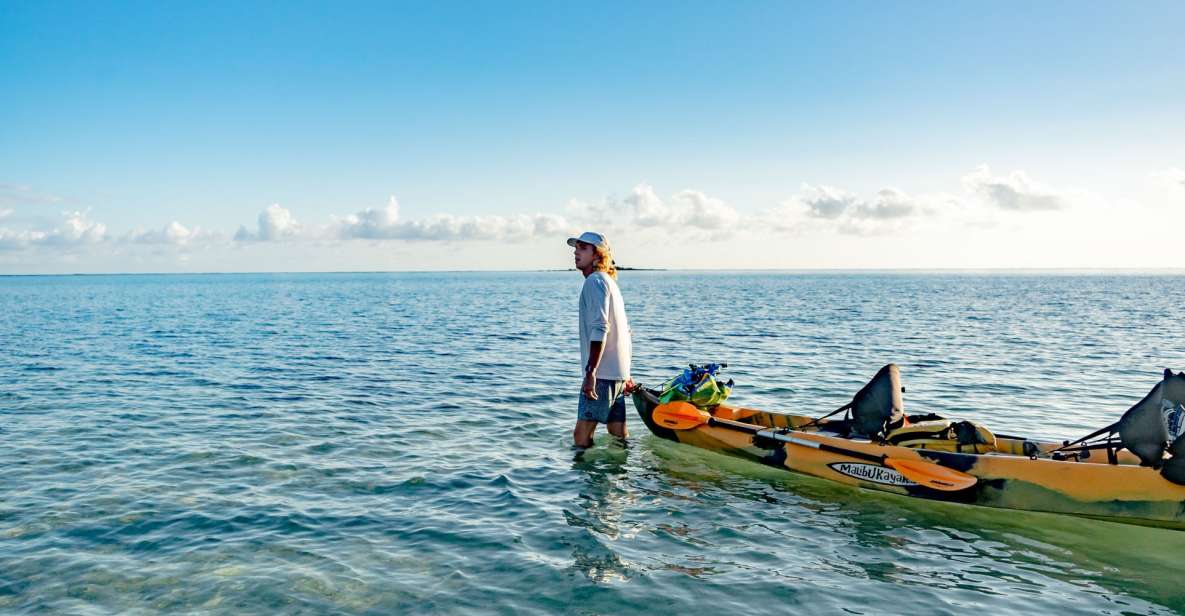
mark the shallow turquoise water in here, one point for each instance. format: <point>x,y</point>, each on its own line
<point>398,443</point>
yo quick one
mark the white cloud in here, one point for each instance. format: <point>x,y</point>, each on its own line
<point>386,224</point>
<point>826,208</point>
<point>13,240</point>
<point>686,210</point>
<point>76,229</point>
<point>695,209</point>
<point>1013,192</point>
<point>646,207</point>
<point>172,234</point>
<point>889,204</point>
<point>826,202</point>
<point>372,223</point>
<point>829,209</point>
<point>5,213</point>
<point>274,224</point>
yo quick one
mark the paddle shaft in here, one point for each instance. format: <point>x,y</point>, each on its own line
<point>685,416</point>
<point>785,438</point>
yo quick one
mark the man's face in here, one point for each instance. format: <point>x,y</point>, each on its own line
<point>585,255</point>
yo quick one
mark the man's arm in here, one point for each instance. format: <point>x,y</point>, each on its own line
<point>595,349</point>
<point>597,313</point>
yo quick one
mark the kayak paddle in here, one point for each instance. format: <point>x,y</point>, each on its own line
<point>685,416</point>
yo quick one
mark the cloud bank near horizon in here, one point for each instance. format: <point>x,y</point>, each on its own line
<point>273,224</point>
<point>1013,192</point>
<point>690,213</point>
<point>826,209</point>
<point>387,224</point>
<point>75,229</point>
<point>985,199</point>
<point>172,234</point>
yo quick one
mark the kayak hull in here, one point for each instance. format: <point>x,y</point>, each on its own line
<point>1008,479</point>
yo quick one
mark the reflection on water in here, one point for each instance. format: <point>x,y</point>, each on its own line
<point>601,500</point>
<point>946,554</point>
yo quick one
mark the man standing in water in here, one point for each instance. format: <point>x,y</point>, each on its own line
<point>604,341</point>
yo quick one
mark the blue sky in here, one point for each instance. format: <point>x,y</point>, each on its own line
<point>281,136</point>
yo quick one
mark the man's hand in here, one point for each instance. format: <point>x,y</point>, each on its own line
<point>589,387</point>
<point>630,386</point>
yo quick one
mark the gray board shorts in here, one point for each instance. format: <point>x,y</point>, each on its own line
<point>609,407</point>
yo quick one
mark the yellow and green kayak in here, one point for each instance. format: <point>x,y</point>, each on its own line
<point>1013,473</point>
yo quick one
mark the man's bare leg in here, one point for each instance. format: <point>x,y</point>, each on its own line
<point>617,428</point>
<point>582,433</point>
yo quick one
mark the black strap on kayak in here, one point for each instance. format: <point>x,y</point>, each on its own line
<point>1100,431</point>
<point>815,422</point>
<point>1082,451</point>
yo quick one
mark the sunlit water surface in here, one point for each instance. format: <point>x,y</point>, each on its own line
<point>399,443</point>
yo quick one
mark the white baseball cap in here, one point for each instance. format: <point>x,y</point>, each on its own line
<point>589,237</point>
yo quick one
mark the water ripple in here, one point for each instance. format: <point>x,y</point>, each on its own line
<point>399,443</point>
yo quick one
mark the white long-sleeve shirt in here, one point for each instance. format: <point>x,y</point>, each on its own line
<point>602,317</point>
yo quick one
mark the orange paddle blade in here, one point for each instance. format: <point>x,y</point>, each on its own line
<point>932,475</point>
<point>679,416</point>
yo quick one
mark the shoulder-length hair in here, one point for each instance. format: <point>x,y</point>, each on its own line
<point>605,262</point>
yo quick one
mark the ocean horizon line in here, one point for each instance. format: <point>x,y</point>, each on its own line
<point>906,270</point>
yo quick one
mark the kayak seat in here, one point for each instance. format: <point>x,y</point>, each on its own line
<point>944,435</point>
<point>1143,430</point>
<point>877,408</point>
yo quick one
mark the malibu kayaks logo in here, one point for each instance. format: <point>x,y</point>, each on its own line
<point>871,472</point>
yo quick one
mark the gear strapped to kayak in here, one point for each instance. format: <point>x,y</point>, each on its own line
<point>944,435</point>
<point>697,385</point>
<point>877,446</point>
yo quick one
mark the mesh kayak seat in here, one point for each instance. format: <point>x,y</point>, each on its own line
<point>1143,431</point>
<point>1149,429</point>
<point>877,408</point>
<point>944,435</point>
